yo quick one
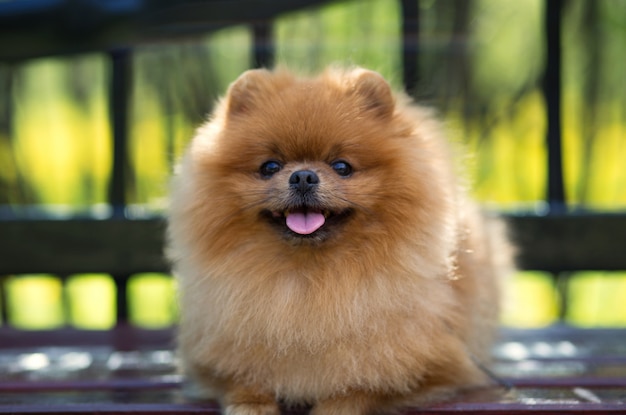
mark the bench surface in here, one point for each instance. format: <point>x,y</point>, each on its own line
<point>125,370</point>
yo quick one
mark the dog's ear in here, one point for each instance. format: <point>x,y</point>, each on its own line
<point>374,92</point>
<point>246,91</point>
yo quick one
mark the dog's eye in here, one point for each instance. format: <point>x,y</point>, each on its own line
<point>269,168</point>
<point>342,168</point>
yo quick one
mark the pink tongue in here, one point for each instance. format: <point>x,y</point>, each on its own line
<point>305,223</point>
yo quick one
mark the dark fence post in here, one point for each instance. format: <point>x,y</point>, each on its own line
<point>121,298</point>
<point>263,48</point>
<point>552,94</point>
<point>121,83</point>
<point>410,44</point>
<point>555,193</point>
<point>4,306</point>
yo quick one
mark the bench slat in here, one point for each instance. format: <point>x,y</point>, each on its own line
<point>570,242</point>
<point>82,246</point>
<point>548,243</point>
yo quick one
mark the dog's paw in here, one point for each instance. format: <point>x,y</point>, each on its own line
<point>263,408</point>
<point>360,403</point>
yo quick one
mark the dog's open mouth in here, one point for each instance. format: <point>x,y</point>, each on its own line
<point>307,222</point>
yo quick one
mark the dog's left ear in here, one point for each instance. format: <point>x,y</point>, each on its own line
<point>246,92</point>
<point>374,92</point>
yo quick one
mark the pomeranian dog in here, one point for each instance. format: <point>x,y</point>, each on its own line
<point>326,252</point>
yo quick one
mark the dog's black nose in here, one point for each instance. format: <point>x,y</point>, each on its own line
<point>303,180</point>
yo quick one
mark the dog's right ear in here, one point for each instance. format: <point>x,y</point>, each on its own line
<point>245,92</point>
<point>374,91</point>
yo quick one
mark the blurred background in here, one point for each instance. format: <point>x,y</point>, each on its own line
<point>480,65</point>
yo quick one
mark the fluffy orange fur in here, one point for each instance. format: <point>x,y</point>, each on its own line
<point>391,302</point>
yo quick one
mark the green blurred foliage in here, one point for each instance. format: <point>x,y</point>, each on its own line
<point>480,65</point>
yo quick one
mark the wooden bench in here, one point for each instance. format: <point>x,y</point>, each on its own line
<point>556,370</point>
